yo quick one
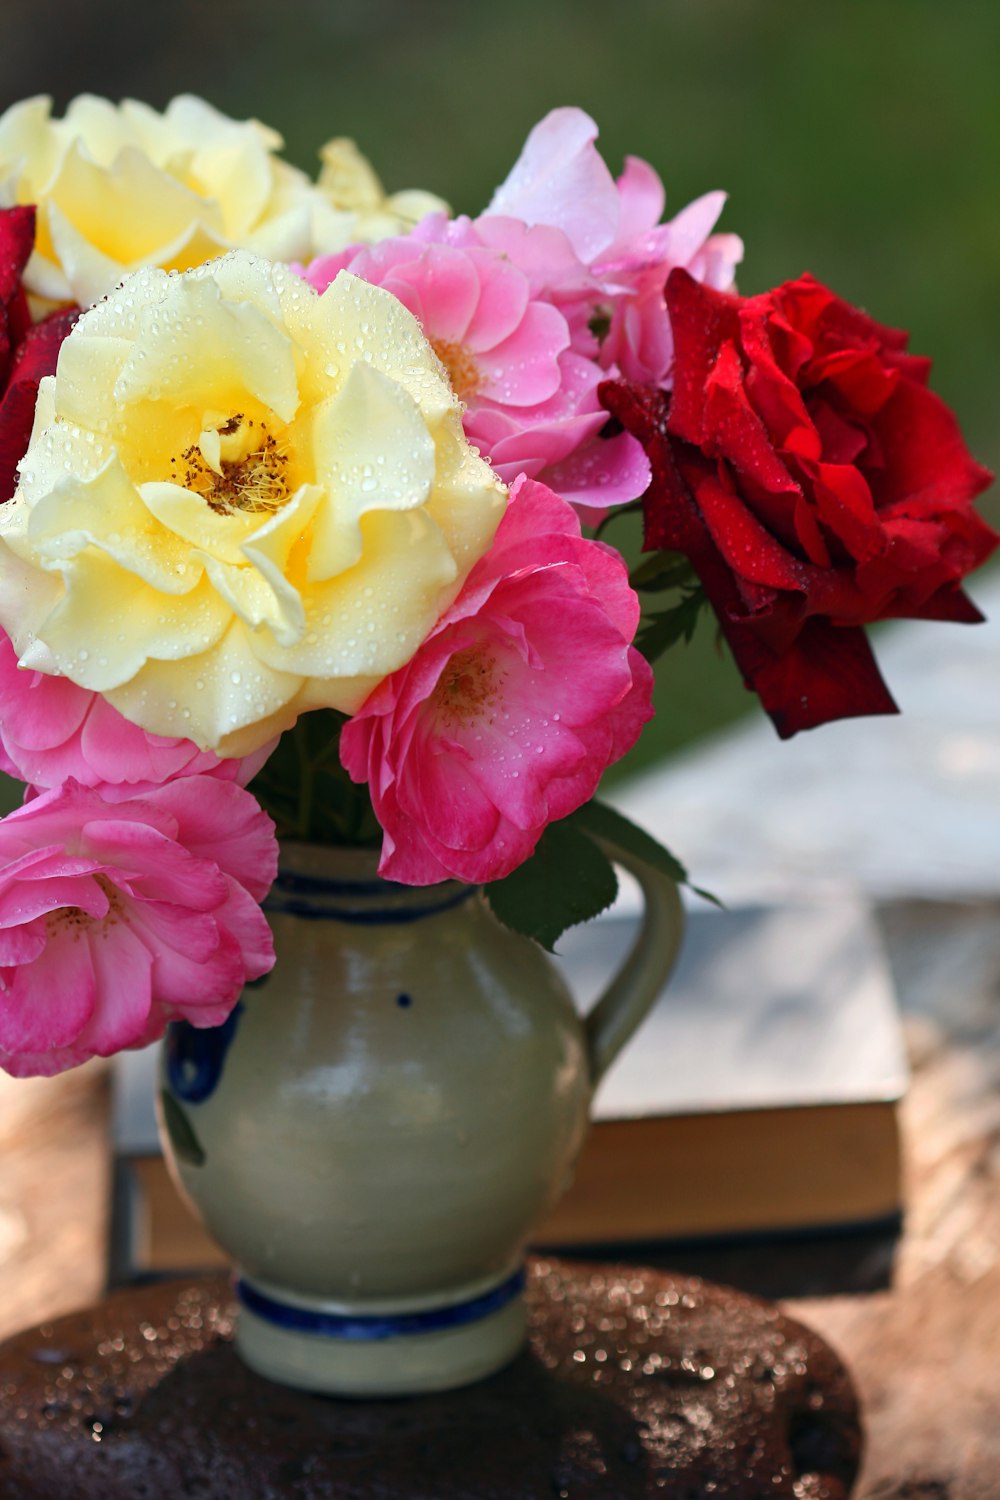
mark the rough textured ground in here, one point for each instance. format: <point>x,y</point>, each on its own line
<point>636,1384</point>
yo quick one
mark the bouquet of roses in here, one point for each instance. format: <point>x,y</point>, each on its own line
<point>306,497</point>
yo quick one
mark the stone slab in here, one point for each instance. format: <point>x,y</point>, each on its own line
<point>637,1383</point>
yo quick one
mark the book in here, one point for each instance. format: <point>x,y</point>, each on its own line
<point>758,1097</point>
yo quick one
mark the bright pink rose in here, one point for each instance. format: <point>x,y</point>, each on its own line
<point>506,717</point>
<point>52,731</point>
<point>560,181</point>
<point>27,352</point>
<point>117,918</point>
<point>531,402</point>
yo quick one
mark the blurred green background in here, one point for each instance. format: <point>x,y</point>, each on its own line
<point>858,141</point>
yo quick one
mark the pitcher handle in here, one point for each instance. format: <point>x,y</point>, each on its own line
<point>630,994</point>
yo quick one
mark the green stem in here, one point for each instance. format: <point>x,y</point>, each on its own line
<point>307,781</point>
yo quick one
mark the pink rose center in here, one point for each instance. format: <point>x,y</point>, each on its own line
<point>461,365</point>
<point>468,688</point>
<point>73,920</point>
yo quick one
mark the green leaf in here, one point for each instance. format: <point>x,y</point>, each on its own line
<point>603,822</point>
<point>662,630</point>
<point>185,1142</point>
<point>617,513</point>
<point>567,880</point>
<point>662,570</point>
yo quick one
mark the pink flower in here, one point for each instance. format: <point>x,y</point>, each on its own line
<point>531,401</point>
<point>560,181</point>
<point>508,714</point>
<point>498,343</point>
<point>51,730</point>
<point>116,918</point>
<point>542,252</point>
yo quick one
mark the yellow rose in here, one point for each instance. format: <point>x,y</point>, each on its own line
<point>241,500</point>
<point>122,186</point>
<point>356,207</point>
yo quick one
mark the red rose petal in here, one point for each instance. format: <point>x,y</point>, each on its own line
<point>702,321</point>
<point>808,532</point>
<point>731,429</point>
<point>17,240</point>
<point>859,377</point>
<point>844,504</point>
<point>830,673</point>
<point>36,357</point>
<point>926,461</point>
<point>743,542</point>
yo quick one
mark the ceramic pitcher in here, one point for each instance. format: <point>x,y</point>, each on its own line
<point>378,1126</point>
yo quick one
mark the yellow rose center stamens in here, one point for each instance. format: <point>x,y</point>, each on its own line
<point>468,688</point>
<point>254,481</point>
<point>460,363</point>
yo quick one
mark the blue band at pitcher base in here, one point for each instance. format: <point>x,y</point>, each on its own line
<point>369,1326</point>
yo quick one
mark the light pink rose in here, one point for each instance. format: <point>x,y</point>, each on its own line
<point>640,338</point>
<point>506,717</point>
<point>51,730</point>
<point>116,918</point>
<point>542,252</point>
<point>498,342</point>
<point>531,401</point>
<point>560,181</point>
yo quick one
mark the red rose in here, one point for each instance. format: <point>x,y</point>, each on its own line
<point>27,351</point>
<point>813,481</point>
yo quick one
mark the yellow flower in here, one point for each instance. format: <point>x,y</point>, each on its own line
<point>356,207</point>
<point>241,500</point>
<point>122,186</point>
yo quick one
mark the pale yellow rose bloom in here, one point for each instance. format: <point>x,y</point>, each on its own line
<point>119,187</point>
<point>355,206</point>
<point>241,500</point>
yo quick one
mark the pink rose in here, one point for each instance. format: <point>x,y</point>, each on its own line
<point>531,400</point>
<point>560,181</point>
<point>506,717</point>
<point>116,918</point>
<point>51,730</point>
